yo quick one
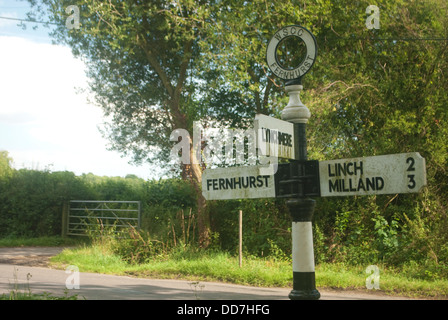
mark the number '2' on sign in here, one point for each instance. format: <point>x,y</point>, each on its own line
<point>411,162</point>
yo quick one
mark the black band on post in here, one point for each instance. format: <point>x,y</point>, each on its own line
<point>301,210</point>
<point>304,286</point>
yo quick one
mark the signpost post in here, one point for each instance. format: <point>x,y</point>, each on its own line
<point>301,178</point>
<point>301,208</point>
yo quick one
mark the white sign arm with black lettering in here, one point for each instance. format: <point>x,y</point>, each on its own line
<point>275,137</point>
<point>237,183</point>
<point>388,174</point>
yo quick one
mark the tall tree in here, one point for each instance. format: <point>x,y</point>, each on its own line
<point>155,66</point>
<point>141,58</point>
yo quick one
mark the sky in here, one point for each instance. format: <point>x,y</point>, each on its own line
<point>46,123</point>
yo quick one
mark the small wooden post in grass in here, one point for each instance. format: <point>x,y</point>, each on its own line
<point>240,250</point>
<point>64,228</point>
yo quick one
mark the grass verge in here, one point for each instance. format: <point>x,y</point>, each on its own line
<point>17,295</point>
<point>219,266</point>
<point>54,241</point>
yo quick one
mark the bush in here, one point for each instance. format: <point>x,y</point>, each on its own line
<point>135,246</point>
<point>31,202</point>
<point>266,225</point>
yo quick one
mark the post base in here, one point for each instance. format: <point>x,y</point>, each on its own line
<point>304,295</point>
<point>304,286</point>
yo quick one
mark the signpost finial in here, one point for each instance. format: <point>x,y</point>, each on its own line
<point>291,74</point>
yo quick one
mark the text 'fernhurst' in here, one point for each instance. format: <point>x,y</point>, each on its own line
<point>244,182</point>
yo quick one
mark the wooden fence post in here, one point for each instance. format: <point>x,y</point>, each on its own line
<point>241,239</point>
<point>65,207</point>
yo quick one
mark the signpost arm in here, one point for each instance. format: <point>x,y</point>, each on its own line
<point>301,208</point>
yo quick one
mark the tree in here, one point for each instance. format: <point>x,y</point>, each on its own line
<point>151,73</point>
<point>5,164</point>
<point>140,57</point>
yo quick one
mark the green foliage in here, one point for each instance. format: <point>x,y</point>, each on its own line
<point>131,245</point>
<point>31,202</point>
<point>5,165</point>
<point>137,247</point>
<point>45,241</point>
<point>406,231</point>
<point>266,226</point>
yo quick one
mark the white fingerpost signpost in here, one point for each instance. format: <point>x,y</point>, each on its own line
<point>301,178</point>
<point>301,208</point>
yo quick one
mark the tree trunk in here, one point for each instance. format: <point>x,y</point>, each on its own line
<point>193,172</point>
<point>203,222</point>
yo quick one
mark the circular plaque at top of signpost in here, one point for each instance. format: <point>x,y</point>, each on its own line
<point>294,62</point>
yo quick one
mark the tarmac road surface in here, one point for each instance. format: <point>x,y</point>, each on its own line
<point>95,286</point>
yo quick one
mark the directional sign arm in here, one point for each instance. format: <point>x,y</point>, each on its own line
<point>275,137</point>
<point>247,182</point>
<point>388,174</point>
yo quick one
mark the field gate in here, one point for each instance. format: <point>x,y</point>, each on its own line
<point>81,215</point>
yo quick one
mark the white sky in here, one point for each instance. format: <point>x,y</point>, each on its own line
<point>44,122</point>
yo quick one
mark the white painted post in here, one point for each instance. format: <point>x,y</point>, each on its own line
<point>301,209</point>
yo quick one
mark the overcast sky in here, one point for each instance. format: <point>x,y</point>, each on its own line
<point>44,122</point>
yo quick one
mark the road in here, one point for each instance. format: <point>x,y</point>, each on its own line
<point>14,273</point>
